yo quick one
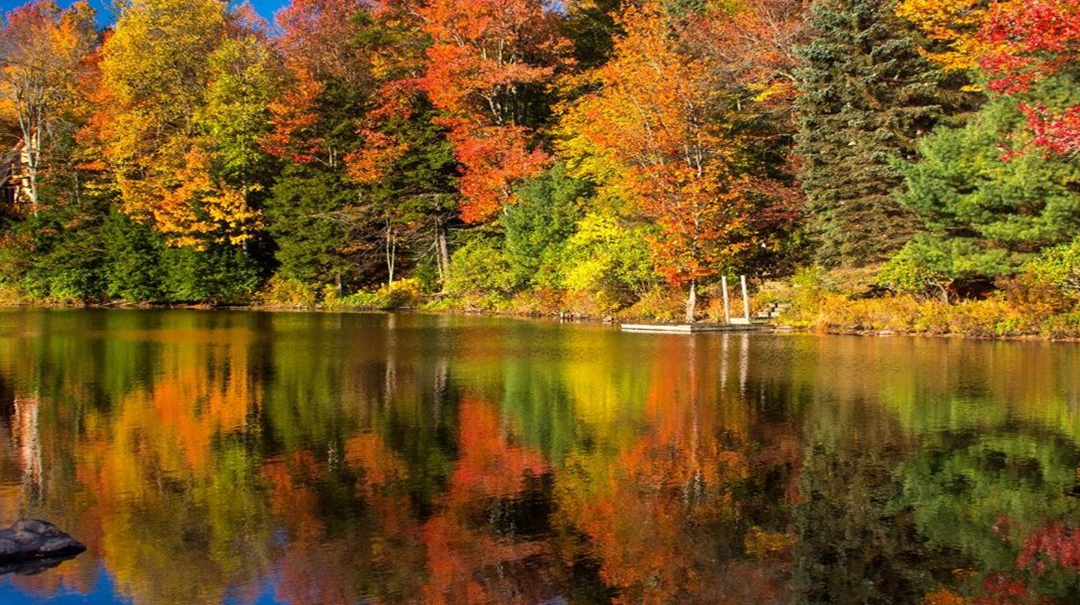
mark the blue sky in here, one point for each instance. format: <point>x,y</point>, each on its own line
<point>265,7</point>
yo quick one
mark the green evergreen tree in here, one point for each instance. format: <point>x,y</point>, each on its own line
<point>415,201</point>
<point>66,257</point>
<point>987,200</point>
<point>539,224</point>
<point>133,269</point>
<point>867,94</point>
<point>856,546</point>
<point>56,254</point>
<point>220,274</point>
<point>304,216</point>
<point>312,211</point>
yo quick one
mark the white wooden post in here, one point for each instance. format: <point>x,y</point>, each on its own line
<point>727,302</point>
<point>745,300</point>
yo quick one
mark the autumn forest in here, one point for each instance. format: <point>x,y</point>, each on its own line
<point>903,165</point>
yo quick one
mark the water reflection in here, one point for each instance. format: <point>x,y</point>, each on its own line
<point>209,457</point>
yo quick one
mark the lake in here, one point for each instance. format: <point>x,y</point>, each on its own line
<point>314,458</point>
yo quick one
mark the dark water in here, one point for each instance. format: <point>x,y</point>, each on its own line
<point>324,459</point>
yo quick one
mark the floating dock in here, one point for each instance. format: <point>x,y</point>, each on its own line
<point>692,328</point>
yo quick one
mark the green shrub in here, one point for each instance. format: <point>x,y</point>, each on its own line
<point>221,274</point>
<point>1060,267</point>
<point>904,273</point>
<point>15,254</point>
<point>479,268</point>
<point>358,300</point>
<point>65,266</point>
<point>1065,325</point>
<point>932,265</point>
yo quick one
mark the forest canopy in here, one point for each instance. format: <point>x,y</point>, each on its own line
<point>595,157</point>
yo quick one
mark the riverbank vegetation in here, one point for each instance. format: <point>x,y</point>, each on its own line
<point>907,166</point>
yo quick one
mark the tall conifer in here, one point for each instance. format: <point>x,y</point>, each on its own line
<point>867,94</point>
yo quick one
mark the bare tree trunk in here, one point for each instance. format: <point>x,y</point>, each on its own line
<point>31,152</point>
<point>691,302</point>
<point>443,251</point>
<point>391,251</point>
<point>31,176</point>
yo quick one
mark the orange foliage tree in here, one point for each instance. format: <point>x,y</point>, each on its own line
<point>462,552</point>
<point>316,36</point>
<point>488,62</point>
<point>657,131</point>
<point>643,505</point>
<point>752,44</point>
<point>393,42</point>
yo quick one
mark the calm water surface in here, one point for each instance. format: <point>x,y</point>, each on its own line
<point>325,459</point>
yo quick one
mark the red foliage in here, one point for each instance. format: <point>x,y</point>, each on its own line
<point>318,46</point>
<point>1059,133</point>
<point>293,117</point>
<point>316,37</point>
<point>1002,590</point>
<point>493,158</point>
<point>483,51</point>
<point>1032,40</point>
<point>397,61</point>
<point>484,57</point>
<point>1051,544</point>
<point>462,553</point>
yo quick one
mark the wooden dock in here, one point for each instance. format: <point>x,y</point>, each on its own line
<point>692,328</point>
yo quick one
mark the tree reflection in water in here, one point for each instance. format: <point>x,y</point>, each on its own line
<point>325,459</point>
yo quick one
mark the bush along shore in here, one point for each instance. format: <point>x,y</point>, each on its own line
<point>1042,303</point>
<point>845,303</point>
<point>610,159</point>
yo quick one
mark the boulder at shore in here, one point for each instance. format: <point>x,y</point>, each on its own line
<point>33,539</point>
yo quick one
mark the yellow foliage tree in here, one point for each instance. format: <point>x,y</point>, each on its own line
<point>170,136</point>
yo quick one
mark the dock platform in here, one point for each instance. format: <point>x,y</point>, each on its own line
<point>692,328</point>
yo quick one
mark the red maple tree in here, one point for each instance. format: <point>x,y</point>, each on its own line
<point>487,63</point>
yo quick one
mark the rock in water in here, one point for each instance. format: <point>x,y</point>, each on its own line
<point>33,539</point>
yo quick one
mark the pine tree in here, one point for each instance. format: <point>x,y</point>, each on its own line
<point>867,94</point>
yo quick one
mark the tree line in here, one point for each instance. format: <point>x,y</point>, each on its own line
<point>594,155</point>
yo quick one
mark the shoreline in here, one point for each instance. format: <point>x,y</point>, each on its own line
<point>776,328</point>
